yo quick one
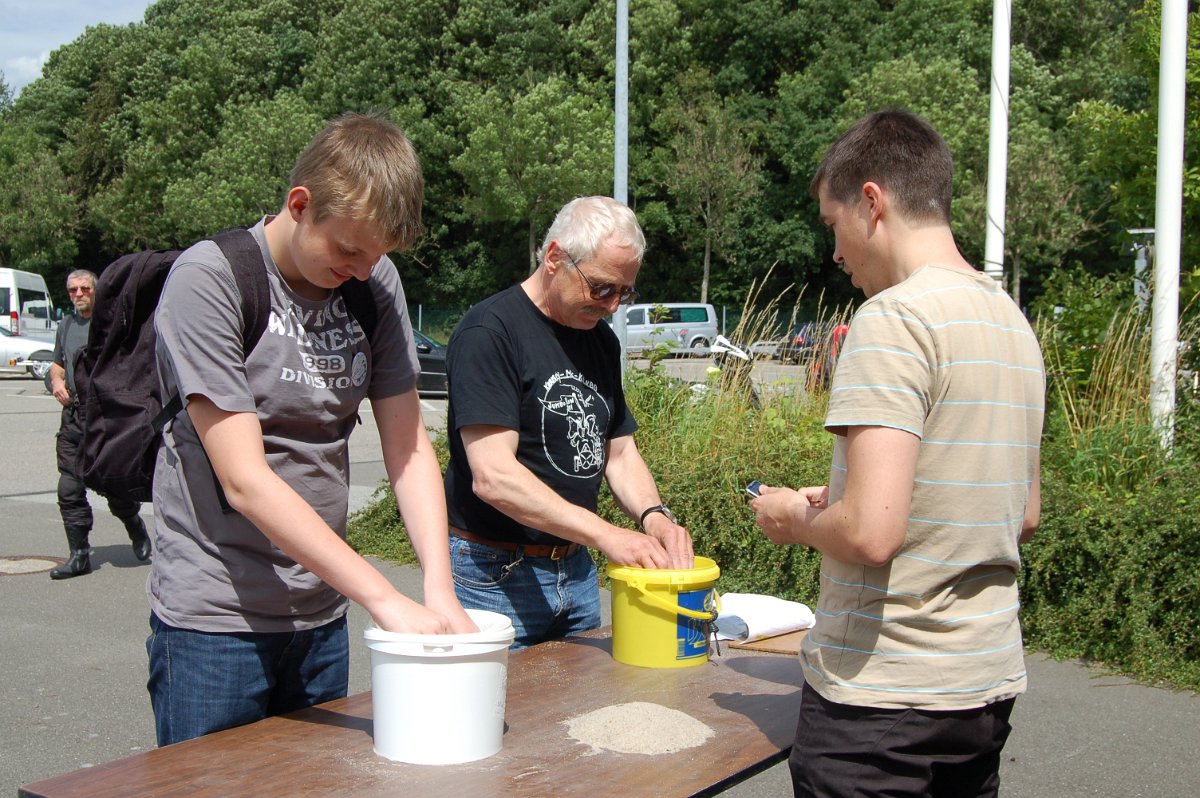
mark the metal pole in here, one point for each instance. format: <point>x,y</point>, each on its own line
<point>621,146</point>
<point>1168,214</point>
<point>621,110</point>
<point>993,252</point>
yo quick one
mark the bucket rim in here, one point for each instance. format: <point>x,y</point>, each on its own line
<point>494,628</point>
<point>704,570</point>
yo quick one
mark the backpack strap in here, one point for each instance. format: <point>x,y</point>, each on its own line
<point>245,258</point>
<point>241,249</point>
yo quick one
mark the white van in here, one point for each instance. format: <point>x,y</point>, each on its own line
<point>679,325</point>
<point>26,306</point>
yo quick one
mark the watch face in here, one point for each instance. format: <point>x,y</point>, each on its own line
<point>662,508</point>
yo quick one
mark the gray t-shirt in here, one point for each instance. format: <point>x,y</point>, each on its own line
<point>72,336</point>
<point>214,571</point>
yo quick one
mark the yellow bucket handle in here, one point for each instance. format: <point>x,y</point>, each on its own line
<point>675,608</point>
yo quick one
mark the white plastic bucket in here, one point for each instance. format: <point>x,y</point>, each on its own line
<point>439,699</point>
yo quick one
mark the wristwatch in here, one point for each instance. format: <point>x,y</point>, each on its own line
<point>658,508</point>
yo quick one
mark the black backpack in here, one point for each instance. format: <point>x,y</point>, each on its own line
<point>116,376</point>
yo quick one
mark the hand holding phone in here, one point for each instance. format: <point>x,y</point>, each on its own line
<point>754,489</point>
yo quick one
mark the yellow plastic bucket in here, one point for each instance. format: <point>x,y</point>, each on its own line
<point>661,618</point>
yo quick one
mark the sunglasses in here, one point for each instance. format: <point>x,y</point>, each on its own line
<point>82,289</point>
<point>625,293</point>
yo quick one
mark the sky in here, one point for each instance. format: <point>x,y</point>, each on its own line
<point>31,29</point>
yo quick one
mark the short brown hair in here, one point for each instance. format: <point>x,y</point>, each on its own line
<point>901,152</point>
<point>363,166</point>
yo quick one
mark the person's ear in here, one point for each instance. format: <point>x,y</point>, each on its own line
<point>553,258</point>
<point>875,198</point>
<point>299,199</point>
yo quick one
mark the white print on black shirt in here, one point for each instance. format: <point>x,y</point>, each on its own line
<point>570,407</point>
<point>322,353</point>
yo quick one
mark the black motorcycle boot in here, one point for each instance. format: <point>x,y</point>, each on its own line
<point>136,528</point>
<point>80,562</point>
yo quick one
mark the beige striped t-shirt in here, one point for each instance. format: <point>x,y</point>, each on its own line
<point>947,356</point>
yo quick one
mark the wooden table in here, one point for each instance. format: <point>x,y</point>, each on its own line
<point>750,700</point>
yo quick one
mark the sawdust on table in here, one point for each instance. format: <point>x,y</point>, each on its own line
<point>638,727</point>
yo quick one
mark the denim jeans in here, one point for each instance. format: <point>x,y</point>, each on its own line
<point>546,599</point>
<point>202,682</point>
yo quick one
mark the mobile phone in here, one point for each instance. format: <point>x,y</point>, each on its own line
<point>754,488</point>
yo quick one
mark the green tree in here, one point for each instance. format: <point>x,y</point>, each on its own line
<point>527,154</point>
<point>201,63</point>
<point>1045,211</point>
<point>245,173</point>
<point>711,171</point>
<point>147,133</point>
<point>947,93</point>
<point>1120,139</point>
<point>37,211</point>
<point>6,96</point>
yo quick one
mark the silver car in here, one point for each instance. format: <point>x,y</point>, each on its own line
<point>22,355</point>
<point>688,327</point>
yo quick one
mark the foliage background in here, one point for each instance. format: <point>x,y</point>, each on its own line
<point>157,133</point>
<point>160,132</point>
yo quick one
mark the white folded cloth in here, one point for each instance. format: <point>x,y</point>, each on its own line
<point>749,616</point>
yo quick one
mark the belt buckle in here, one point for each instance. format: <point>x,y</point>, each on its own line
<point>556,554</point>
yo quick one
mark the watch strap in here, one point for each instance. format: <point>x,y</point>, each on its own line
<point>658,508</point>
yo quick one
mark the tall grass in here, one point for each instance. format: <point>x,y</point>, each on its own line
<point>704,446</point>
<point>1112,573</point>
<point>1101,424</point>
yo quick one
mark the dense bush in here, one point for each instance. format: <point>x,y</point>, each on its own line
<point>703,448</point>
<point>1112,574</point>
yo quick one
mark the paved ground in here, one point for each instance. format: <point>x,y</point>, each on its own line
<point>73,662</point>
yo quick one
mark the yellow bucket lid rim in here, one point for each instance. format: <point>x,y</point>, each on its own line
<point>704,570</point>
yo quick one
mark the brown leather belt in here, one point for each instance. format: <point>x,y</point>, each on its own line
<point>527,549</point>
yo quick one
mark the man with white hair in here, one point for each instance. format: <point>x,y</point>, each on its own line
<point>537,418</point>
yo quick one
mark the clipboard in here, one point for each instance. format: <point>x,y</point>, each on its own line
<point>787,643</point>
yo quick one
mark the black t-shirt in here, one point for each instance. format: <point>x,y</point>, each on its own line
<point>560,388</point>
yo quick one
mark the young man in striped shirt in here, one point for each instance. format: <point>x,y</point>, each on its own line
<point>916,658</point>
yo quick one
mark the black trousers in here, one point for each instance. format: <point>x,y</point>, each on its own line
<point>845,751</point>
<point>72,495</point>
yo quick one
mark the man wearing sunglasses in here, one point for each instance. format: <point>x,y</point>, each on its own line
<point>72,496</point>
<point>537,419</point>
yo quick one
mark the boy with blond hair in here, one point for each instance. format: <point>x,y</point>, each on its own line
<point>248,605</point>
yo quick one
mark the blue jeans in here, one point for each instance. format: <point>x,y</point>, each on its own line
<point>202,682</point>
<point>546,599</point>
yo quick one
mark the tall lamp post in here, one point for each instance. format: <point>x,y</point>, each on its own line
<point>1168,217</point>
<point>997,182</point>
<point>621,146</point>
